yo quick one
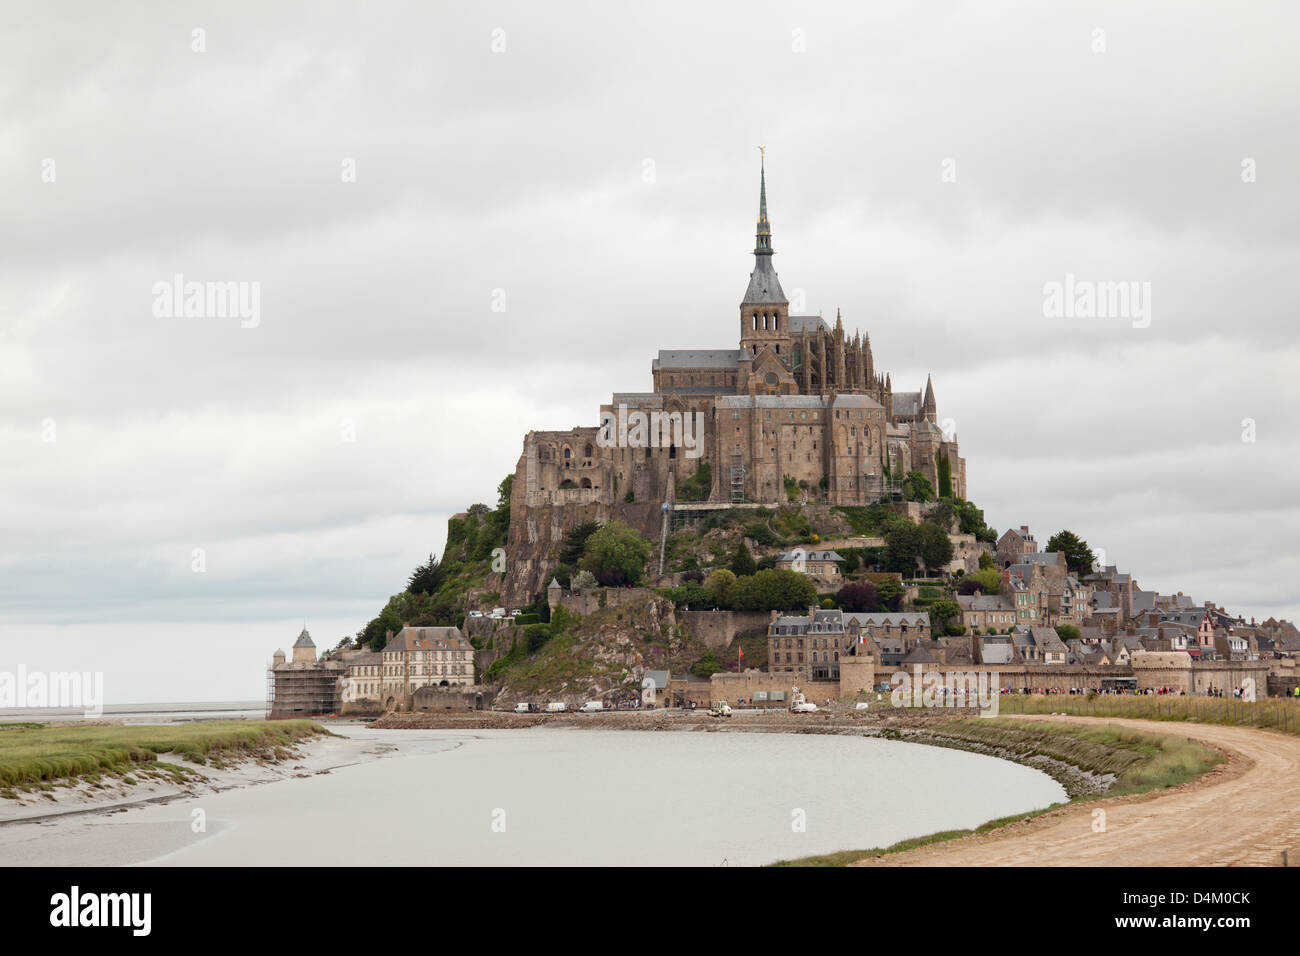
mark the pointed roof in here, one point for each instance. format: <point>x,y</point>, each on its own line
<point>929,394</point>
<point>304,640</point>
<point>764,286</point>
<point>555,583</point>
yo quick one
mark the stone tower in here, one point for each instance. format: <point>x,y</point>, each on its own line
<point>304,649</point>
<point>765,311</point>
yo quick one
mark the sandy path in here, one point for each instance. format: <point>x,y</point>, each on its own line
<point>1242,813</point>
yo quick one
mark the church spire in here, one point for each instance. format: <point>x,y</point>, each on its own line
<point>763,235</point>
<point>763,283</point>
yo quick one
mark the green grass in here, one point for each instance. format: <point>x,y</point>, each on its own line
<point>1275,713</point>
<point>1141,762</point>
<point>34,755</point>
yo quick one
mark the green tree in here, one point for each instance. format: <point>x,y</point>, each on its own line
<point>774,590</point>
<point>616,554</point>
<point>942,513</point>
<point>943,613</point>
<point>742,562</point>
<point>427,577</point>
<point>575,542</point>
<point>706,666</point>
<point>889,593</point>
<point>917,487</point>
<point>986,581</point>
<point>943,469</point>
<point>720,585</point>
<point>1068,632</point>
<point>1078,556</point>
<point>902,546</point>
<point>970,520</point>
<point>935,547</point>
<point>986,561</point>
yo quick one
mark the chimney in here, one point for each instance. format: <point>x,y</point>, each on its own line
<point>1024,529</point>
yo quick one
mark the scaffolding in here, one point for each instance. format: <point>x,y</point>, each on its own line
<point>303,690</point>
<point>738,480</point>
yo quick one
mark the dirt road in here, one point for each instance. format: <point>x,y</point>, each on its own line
<point>1244,812</point>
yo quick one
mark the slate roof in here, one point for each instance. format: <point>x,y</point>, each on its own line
<point>304,640</point>
<point>919,655</point>
<point>995,650</point>
<point>906,403</point>
<point>985,602</point>
<point>763,286</point>
<point>696,358</point>
<point>810,323</point>
<point>873,619</point>
<point>808,555</point>
<point>428,638</point>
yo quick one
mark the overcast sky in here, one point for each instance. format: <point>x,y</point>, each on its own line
<point>597,163</point>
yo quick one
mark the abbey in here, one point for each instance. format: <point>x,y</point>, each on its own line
<point>798,404</point>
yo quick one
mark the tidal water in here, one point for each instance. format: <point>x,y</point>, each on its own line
<point>556,797</point>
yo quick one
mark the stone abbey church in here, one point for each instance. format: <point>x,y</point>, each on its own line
<point>797,399</point>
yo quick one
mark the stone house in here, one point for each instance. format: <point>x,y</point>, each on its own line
<point>806,646</point>
<point>822,566</point>
<point>979,612</point>
<point>909,626</point>
<point>418,657</point>
<point>1013,544</point>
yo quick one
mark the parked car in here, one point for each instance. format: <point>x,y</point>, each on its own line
<point>556,707</point>
<point>498,613</point>
<point>523,707</point>
<point>720,708</point>
<point>592,706</point>
<point>474,614</point>
<point>516,612</point>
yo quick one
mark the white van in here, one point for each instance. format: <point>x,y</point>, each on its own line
<point>522,707</point>
<point>556,707</point>
<point>498,613</point>
<point>592,706</point>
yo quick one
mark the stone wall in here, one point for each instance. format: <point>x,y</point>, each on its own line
<point>717,629</point>
<point>591,600</point>
<point>745,686</point>
<point>1174,670</point>
<point>449,698</point>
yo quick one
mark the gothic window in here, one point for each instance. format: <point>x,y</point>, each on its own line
<point>587,452</point>
<point>567,453</point>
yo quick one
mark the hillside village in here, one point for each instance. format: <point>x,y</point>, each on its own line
<point>756,602</point>
<point>766,516</point>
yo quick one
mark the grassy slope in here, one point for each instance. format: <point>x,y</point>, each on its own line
<point>1275,713</point>
<point>35,756</point>
<point>1140,762</point>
